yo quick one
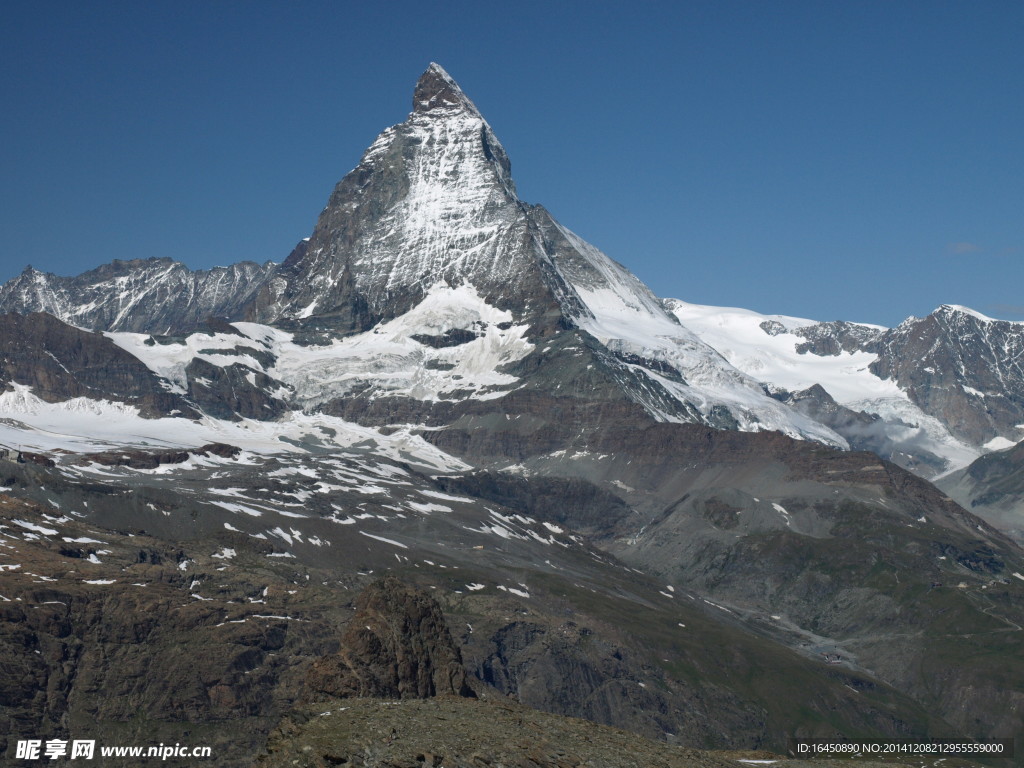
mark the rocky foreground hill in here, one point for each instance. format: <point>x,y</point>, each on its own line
<point>394,695</point>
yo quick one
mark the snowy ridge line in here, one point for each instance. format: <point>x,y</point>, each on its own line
<point>632,323</point>
<point>772,359</point>
<point>135,295</point>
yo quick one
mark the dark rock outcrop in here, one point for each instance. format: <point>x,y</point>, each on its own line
<point>142,459</point>
<point>961,368</point>
<point>397,646</point>
<point>831,339</point>
<point>60,362</point>
<point>234,391</point>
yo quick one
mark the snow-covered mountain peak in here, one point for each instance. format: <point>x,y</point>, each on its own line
<point>427,279</point>
<point>956,320</point>
<point>959,311</point>
<point>436,90</point>
<point>431,200</point>
<point>439,99</point>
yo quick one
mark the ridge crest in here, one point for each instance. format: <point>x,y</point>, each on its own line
<point>437,90</point>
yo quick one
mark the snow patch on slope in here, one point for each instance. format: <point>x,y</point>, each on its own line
<point>737,335</point>
<point>84,425</point>
<point>392,361</point>
<point>170,360</point>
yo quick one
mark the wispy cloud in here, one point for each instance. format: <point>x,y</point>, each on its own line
<point>961,248</point>
<point>1006,309</point>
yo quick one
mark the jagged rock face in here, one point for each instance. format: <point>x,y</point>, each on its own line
<point>234,391</point>
<point>962,368</point>
<point>956,365</point>
<point>397,646</point>
<point>59,362</point>
<point>835,337</point>
<point>142,295</point>
<point>432,200</point>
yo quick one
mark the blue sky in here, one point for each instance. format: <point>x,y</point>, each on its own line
<point>854,160</point>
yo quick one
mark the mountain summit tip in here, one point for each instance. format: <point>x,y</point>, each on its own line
<point>437,90</point>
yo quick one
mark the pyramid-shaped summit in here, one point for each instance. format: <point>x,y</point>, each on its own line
<point>432,201</point>
<point>437,90</point>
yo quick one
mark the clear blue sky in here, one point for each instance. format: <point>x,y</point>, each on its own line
<point>856,160</point>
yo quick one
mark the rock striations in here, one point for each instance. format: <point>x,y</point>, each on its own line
<point>142,295</point>
<point>432,201</point>
<point>963,368</point>
<point>397,646</point>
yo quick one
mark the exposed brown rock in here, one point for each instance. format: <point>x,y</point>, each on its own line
<point>397,646</point>
<point>142,459</point>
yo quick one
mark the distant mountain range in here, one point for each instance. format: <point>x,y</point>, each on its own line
<point>699,523</point>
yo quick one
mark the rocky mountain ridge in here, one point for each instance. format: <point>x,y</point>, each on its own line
<point>932,394</point>
<point>159,296</point>
<point>992,486</point>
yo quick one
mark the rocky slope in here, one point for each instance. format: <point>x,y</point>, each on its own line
<point>465,734</point>
<point>151,560</point>
<point>836,554</point>
<point>44,358</point>
<point>395,694</point>
<point>409,723</point>
<point>962,368</point>
<point>131,639</point>
<point>993,487</point>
